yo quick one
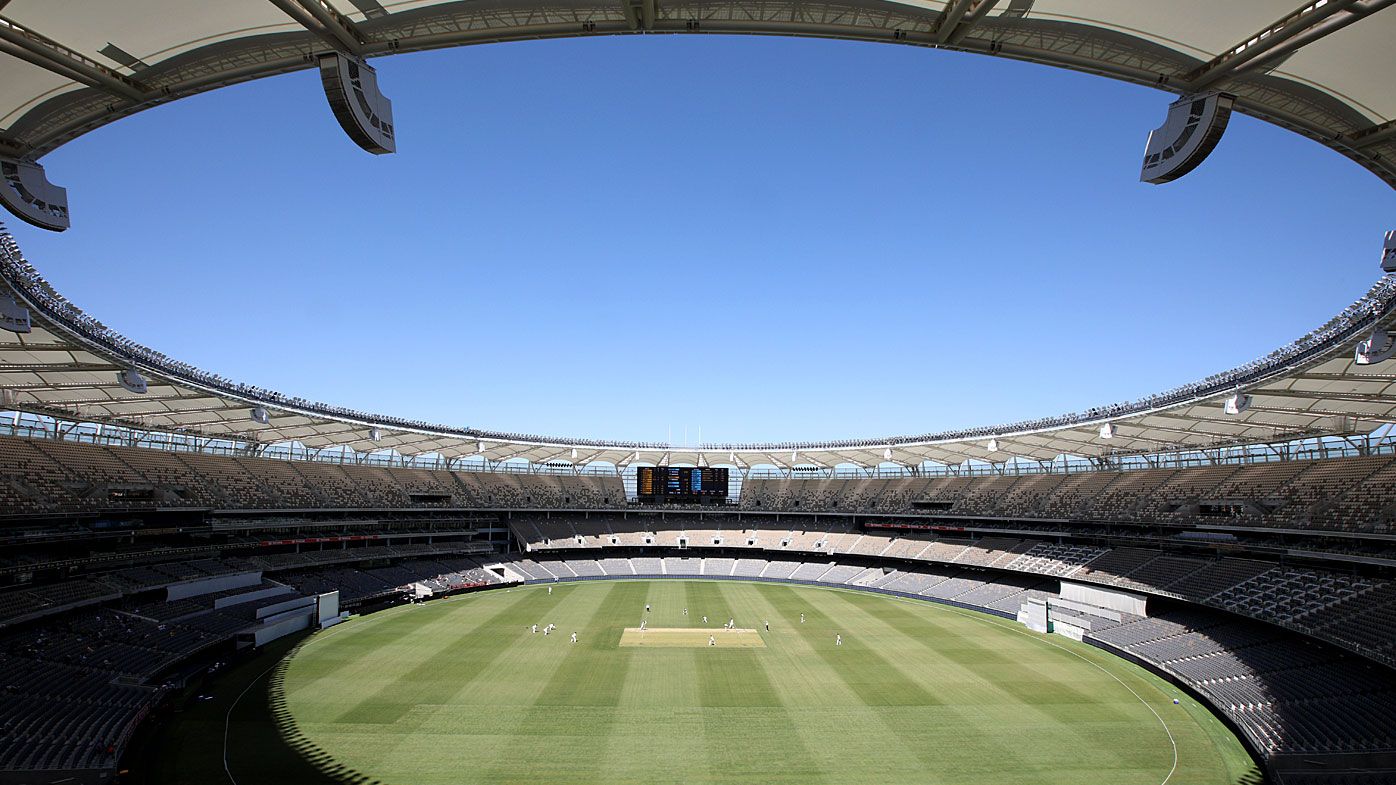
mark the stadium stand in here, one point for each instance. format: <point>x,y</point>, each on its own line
<point>1330,495</point>
<point>1288,628</point>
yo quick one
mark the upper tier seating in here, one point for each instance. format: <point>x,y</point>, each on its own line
<point>1355,494</point>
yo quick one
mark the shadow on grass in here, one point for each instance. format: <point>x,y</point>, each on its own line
<point>273,729</point>
<point>264,747</point>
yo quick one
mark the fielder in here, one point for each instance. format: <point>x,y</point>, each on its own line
<point>838,640</point>
<point>535,629</point>
<point>574,637</point>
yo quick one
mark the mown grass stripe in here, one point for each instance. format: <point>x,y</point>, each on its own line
<point>395,698</point>
<point>892,735</point>
<point>1028,691</point>
<point>1038,687</point>
<point>737,694</point>
<point>567,726</point>
<point>784,714</point>
<point>581,680</point>
<point>884,684</point>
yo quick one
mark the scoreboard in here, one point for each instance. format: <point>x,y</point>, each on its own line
<point>681,485</point>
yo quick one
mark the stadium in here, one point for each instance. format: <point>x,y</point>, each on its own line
<point>206,580</point>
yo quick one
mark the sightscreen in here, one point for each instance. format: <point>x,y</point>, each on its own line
<point>681,485</point>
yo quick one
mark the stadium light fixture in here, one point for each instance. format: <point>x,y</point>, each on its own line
<point>131,381</point>
<point>1194,125</point>
<point>1236,404</point>
<point>26,192</point>
<point>365,114</point>
<point>1377,347</point>
<point>14,317</point>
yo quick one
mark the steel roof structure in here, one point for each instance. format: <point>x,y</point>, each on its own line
<point>1322,68</point>
<point>56,360</point>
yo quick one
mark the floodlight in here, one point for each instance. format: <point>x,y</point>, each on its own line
<point>1377,347</point>
<point>1237,403</point>
<point>131,381</point>
<point>13,316</point>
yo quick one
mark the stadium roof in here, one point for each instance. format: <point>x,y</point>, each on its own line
<point>1323,68</point>
<point>69,366</point>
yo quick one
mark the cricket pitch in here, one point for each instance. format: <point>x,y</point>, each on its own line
<point>691,637</point>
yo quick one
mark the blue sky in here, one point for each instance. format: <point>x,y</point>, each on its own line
<point>763,238</point>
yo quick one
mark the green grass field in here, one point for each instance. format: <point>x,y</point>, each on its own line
<point>459,691</point>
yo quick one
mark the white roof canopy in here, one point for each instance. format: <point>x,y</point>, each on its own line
<point>1323,67</point>
<point>68,366</point>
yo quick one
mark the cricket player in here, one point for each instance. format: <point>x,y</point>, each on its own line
<point>712,641</point>
<point>802,618</point>
<point>838,640</point>
<point>768,625</point>
<point>574,637</point>
<point>535,629</point>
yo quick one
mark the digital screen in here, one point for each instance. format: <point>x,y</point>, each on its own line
<point>681,484</point>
